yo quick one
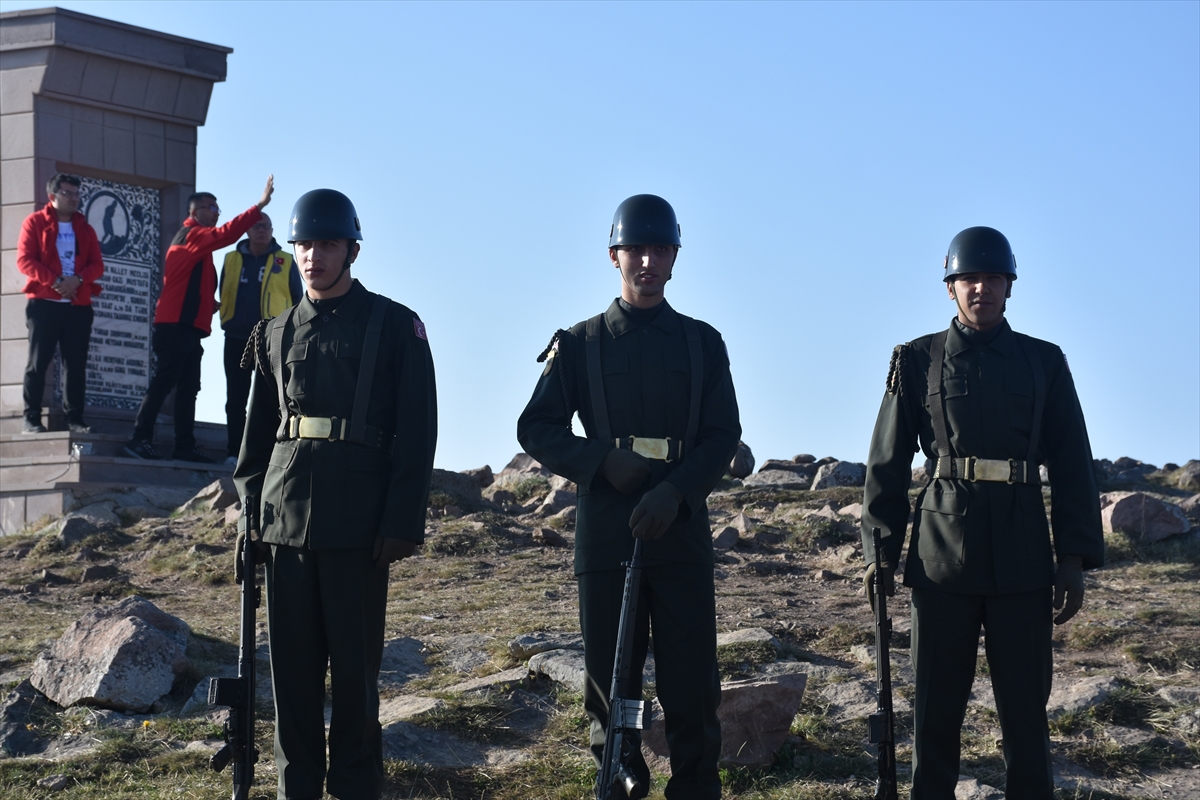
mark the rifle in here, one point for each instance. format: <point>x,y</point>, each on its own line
<point>624,714</point>
<point>238,693</point>
<point>881,726</point>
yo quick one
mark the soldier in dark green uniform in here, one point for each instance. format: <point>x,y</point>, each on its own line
<point>653,390</point>
<point>989,405</point>
<point>338,448</point>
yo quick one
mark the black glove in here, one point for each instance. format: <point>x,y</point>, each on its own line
<point>258,548</point>
<point>888,576</point>
<point>625,470</point>
<point>656,512</point>
<point>1068,586</point>
<point>389,550</point>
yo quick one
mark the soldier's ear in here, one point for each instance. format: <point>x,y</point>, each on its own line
<point>612,254</point>
<point>1008,289</point>
<point>354,248</point>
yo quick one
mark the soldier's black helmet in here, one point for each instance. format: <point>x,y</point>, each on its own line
<point>644,219</point>
<point>323,214</point>
<point>979,249</point>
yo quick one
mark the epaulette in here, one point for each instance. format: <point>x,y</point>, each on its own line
<point>895,376</point>
<point>255,354</point>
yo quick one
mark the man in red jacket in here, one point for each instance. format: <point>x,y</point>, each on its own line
<point>63,264</point>
<point>183,317</point>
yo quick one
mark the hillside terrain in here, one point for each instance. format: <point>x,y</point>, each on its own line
<point>497,565</point>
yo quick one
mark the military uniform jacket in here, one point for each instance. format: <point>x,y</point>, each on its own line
<point>338,494</point>
<point>982,537</point>
<point>647,387</point>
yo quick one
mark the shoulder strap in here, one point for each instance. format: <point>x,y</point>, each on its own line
<point>937,414</point>
<point>366,370</point>
<point>1039,397</point>
<point>596,378</point>
<point>275,354</point>
<point>696,355</point>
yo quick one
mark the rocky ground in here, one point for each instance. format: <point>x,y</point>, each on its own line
<point>480,676</point>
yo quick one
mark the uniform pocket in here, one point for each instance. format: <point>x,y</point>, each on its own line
<point>297,354</point>
<point>271,503</point>
<point>940,524</point>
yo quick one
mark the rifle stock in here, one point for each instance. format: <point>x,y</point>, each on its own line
<point>624,714</point>
<point>881,726</point>
<point>238,693</point>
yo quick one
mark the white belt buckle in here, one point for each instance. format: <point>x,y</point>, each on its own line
<point>657,449</point>
<point>315,428</point>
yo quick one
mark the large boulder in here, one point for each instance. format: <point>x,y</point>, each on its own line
<point>456,489</point>
<point>755,716</point>
<point>1141,515</point>
<point>778,479</point>
<point>124,657</point>
<point>840,473</point>
<point>1189,476</point>
<point>482,474</point>
<point>217,496</point>
<point>87,521</point>
<point>521,467</point>
<point>743,461</point>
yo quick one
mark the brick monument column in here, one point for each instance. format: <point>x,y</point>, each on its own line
<point>118,106</point>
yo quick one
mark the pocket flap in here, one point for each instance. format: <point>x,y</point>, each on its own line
<point>297,352</point>
<point>941,498</point>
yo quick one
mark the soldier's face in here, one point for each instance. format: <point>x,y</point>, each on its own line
<point>980,297</point>
<point>320,263</point>
<point>645,270</point>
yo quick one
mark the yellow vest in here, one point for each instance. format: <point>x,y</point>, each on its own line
<point>276,291</point>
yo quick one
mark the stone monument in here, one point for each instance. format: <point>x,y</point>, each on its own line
<point>118,106</point>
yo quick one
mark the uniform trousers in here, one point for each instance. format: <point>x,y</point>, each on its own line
<point>237,393</point>
<point>69,327</point>
<point>677,602</point>
<point>326,610</point>
<point>945,642</point>
<point>178,351</point>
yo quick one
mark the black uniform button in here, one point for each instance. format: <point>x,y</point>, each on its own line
<point>325,318</point>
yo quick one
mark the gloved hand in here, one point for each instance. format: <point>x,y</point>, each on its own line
<point>258,548</point>
<point>389,550</point>
<point>625,470</point>
<point>658,509</point>
<point>1068,586</point>
<point>888,576</point>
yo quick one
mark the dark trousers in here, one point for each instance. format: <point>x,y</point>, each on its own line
<point>677,602</point>
<point>68,327</point>
<point>326,610</point>
<point>178,351</point>
<point>945,642</point>
<point>237,393</point>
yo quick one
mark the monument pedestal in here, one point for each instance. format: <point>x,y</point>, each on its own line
<point>118,106</point>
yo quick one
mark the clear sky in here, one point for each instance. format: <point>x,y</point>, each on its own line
<point>820,157</point>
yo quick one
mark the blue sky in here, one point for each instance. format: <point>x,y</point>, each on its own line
<point>820,157</point>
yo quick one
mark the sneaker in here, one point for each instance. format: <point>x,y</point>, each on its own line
<point>139,448</point>
<point>231,461</point>
<point>28,426</point>
<point>79,427</point>
<point>192,455</point>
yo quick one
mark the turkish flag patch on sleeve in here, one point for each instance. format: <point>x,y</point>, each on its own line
<point>419,329</point>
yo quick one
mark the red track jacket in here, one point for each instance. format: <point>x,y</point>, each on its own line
<point>189,276</point>
<point>37,256</point>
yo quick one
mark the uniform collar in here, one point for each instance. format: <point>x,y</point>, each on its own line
<point>1004,343</point>
<point>620,323</point>
<point>356,298</point>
